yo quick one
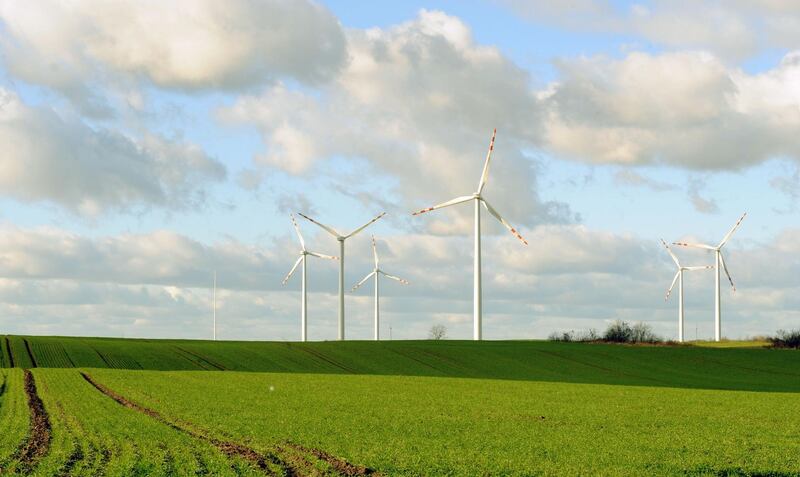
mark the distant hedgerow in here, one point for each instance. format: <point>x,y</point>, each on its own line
<point>617,332</point>
<point>786,339</point>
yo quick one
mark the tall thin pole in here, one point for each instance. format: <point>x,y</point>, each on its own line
<point>341,289</point>
<point>477,312</point>
<point>680,307</point>
<point>377,307</point>
<point>304,305</point>
<point>214,306</point>
<point>717,304</point>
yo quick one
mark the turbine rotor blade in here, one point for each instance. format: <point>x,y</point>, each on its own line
<point>324,227</point>
<point>455,201</point>
<point>728,235</point>
<point>695,245</point>
<point>292,270</point>
<point>503,221</point>
<point>704,267</point>
<point>365,225</point>
<point>362,281</point>
<point>299,235</point>
<point>669,251</point>
<point>322,255</point>
<point>375,251</point>
<point>725,267</point>
<point>401,280</point>
<point>485,174</point>
<point>673,285</point>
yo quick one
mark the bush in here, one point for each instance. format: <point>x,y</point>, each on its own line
<point>786,339</point>
<point>569,336</point>
<point>618,332</point>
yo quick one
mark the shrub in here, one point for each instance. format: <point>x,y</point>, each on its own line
<point>437,332</point>
<point>786,339</point>
<point>618,332</point>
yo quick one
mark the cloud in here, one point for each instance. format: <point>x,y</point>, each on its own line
<point>414,107</point>
<point>632,178</point>
<point>62,160</point>
<point>108,283</point>
<point>682,109</point>
<point>185,45</point>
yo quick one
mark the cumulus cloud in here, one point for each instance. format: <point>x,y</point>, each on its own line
<point>50,158</point>
<point>187,45</point>
<point>586,275</point>
<point>417,103</point>
<point>682,109</point>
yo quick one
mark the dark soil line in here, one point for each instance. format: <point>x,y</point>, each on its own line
<point>69,358</point>
<point>108,365</point>
<point>37,443</point>
<point>595,366</point>
<point>10,354</point>
<point>418,360</point>
<point>196,364</point>
<point>30,354</point>
<point>328,360</point>
<point>339,464</point>
<point>3,386</point>
<point>230,449</point>
<point>204,359</point>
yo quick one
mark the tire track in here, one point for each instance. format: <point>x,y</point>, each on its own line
<point>37,443</point>
<point>10,354</point>
<point>30,353</point>
<point>265,463</point>
<point>203,358</point>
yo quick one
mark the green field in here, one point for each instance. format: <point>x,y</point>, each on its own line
<point>161,407</point>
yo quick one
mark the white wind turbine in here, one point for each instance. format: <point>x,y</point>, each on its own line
<point>478,200</point>
<point>679,278</point>
<point>377,272</point>
<point>341,238</point>
<point>719,260</point>
<point>304,301</point>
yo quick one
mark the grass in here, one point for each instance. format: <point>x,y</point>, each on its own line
<point>453,408</point>
<point>456,426</point>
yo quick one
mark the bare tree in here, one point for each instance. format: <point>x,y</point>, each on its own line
<point>438,332</point>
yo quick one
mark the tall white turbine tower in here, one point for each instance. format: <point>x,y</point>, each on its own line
<point>304,301</point>
<point>478,199</point>
<point>719,260</point>
<point>377,272</point>
<point>679,278</point>
<point>214,306</point>
<point>341,238</point>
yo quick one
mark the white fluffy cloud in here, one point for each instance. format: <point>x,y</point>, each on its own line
<point>683,109</point>
<point>187,45</point>
<point>573,277</point>
<point>418,101</point>
<point>50,158</point>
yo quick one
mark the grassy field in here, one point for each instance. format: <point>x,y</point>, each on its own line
<point>401,408</point>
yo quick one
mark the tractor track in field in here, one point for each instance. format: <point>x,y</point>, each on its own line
<point>326,359</point>
<point>10,355</point>
<point>37,443</point>
<point>603,368</point>
<point>30,353</point>
<point>295,460</point>
<point>202,358</point>
<point>230,449</point>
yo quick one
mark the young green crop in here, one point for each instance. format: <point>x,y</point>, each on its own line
<point>94,435</point>
<point>447,426</point>
<point>13,414</point>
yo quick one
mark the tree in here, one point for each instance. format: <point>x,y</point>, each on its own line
<point>438,332</point>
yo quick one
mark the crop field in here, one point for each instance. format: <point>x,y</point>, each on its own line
<point>153,407</point>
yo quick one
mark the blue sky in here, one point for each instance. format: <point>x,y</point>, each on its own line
<point>618,123</point>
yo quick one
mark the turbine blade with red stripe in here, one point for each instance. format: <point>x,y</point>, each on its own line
<point>503,221</point>
<point>455,201</point>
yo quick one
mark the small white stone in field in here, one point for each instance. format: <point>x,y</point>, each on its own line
<point>271,388</point>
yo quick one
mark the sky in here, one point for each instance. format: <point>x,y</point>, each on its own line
<point>148,144</point>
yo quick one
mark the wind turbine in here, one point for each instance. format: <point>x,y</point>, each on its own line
<point>679,278</point>
<point>377,272</point>
<point>719,260</point>
<point>304,301</point>
<point>341,238</point>
<point>478,199</point>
